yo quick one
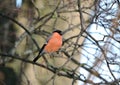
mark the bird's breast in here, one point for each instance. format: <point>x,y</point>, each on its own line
<point>54,44</point>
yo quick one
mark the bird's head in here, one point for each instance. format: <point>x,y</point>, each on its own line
<point>58,31</point>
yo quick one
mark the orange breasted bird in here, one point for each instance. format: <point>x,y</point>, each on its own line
<point>54,44</point>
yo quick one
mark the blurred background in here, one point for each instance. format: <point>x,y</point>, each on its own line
<point>90,54</point>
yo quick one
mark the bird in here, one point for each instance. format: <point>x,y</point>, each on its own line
<point>53,44</point>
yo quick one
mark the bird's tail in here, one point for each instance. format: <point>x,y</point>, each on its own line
<point>39,54</point>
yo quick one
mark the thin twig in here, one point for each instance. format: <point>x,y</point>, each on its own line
<point>16,22</point>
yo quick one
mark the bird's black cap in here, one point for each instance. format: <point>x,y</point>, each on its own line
<point>58,31</point>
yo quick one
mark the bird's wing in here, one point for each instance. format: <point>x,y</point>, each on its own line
<point>41,50</point>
